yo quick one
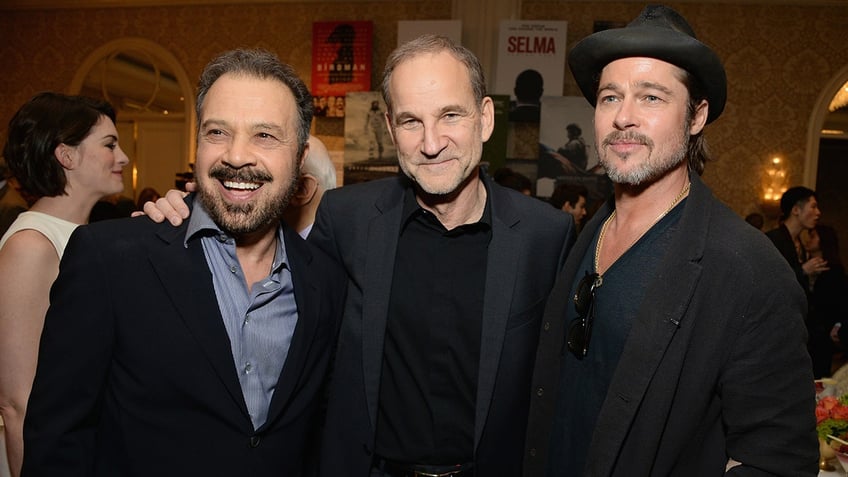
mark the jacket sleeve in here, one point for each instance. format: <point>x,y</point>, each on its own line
<point>73,362</point>
<point>766,387</point>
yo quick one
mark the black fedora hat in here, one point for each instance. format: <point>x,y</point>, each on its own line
<point>658,32</point>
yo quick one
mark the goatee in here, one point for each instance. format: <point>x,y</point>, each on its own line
<point>248,217</point>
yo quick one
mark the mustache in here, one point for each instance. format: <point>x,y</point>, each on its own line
<point>629,136</point>
<point>224,173</point>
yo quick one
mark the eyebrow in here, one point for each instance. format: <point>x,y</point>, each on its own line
<point>639,85</point>
<point>458,108</point>
<point>253,127</point>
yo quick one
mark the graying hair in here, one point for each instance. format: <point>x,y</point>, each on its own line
<point>320,166</point>
<point>260,64</point>
<point>431,44</point>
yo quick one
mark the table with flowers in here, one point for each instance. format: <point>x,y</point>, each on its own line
<point>832,429</point>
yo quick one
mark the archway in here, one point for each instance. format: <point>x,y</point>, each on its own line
<point>155,102</point>
<point>826,161</point>
<point>817,120</point>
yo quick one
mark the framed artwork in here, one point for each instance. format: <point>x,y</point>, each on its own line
<point>567,151</point>
<point>341,63</point>
<point>368,151</point>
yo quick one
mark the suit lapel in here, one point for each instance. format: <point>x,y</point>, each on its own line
<point>308,301</point>
<point>501,266</point>
<point>656,324</point>
<point>381,246</point>
<point>186,278</point>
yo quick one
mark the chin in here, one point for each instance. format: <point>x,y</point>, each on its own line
<point>438,187</point>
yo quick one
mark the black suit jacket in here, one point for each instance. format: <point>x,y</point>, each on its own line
<point>136,376</point>
<point>360,225</point>
<point>782,239</point>
<point>714,367</point>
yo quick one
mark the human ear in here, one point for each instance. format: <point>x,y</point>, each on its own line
<point>699,119</point>
<point>307,186</point>
<point>65,155</point>
<point>487,111</point>
<point>390,127</point>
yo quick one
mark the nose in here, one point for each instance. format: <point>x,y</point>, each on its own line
<point>122,157</point>
<point>434,141</point>
<point>624,115</point>
<point>238,153</point>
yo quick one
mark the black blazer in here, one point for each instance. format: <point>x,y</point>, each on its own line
<point>360,225</point>
<point>782,239</point>
<point>715,365</point>
<point>136,376</point>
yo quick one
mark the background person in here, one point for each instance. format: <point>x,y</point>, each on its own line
<point>317,176</point>
<point>11,202</point>
<point>800,208</point>
<point>147,194</point>
<point>828,298</point>
<point>513,180</point>
<point>571,199</point>
<point>65,150</point>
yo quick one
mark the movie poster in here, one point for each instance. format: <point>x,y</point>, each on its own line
<point>341,63</point>
<point>567,151</point>
<point>531,64</point>
<point>368,150</point>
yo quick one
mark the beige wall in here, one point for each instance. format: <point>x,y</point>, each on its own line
<point>779,59</point>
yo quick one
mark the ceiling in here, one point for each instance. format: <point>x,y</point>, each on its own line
<point>51,4</point>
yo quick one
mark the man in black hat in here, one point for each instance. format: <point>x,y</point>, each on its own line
<point>673,343</point>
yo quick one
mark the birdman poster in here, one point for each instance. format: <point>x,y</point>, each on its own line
<point>341,63</point>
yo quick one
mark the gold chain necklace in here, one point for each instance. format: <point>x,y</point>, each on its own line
<point>677,199</point>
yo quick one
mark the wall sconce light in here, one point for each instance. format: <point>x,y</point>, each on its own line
<point>774,185</point>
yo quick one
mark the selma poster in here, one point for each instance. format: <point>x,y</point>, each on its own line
<point>531,63</point>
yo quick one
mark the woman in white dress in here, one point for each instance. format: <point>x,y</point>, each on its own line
<point>63,149</point>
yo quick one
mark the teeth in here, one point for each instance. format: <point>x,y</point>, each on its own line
<point>241,185</point>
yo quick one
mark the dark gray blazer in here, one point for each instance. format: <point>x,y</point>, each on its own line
<point>136,376</point>
<point>360,225</point>
<point>715,365</point>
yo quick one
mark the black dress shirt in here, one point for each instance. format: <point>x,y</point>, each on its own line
<point>432,345</point>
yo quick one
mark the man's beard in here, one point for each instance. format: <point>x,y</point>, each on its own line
<point>651,169</point>
<point>245,218</point>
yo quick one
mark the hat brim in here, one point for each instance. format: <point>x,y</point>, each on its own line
<point>593,53</point>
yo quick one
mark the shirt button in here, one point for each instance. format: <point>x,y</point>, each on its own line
<point>254,441</point>
<point>540,391</point>
<point>233,268</point>
<point>246,319</point>
<point>533,452</point>
<point>547,325</point>
<point>247,368</point>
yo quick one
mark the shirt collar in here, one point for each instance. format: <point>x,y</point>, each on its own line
<point>412,209</point>
<point>200,224</point>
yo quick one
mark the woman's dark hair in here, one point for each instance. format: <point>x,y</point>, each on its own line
<point>38,128</point>
<point>148,194</point>
<point>829,244</point>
